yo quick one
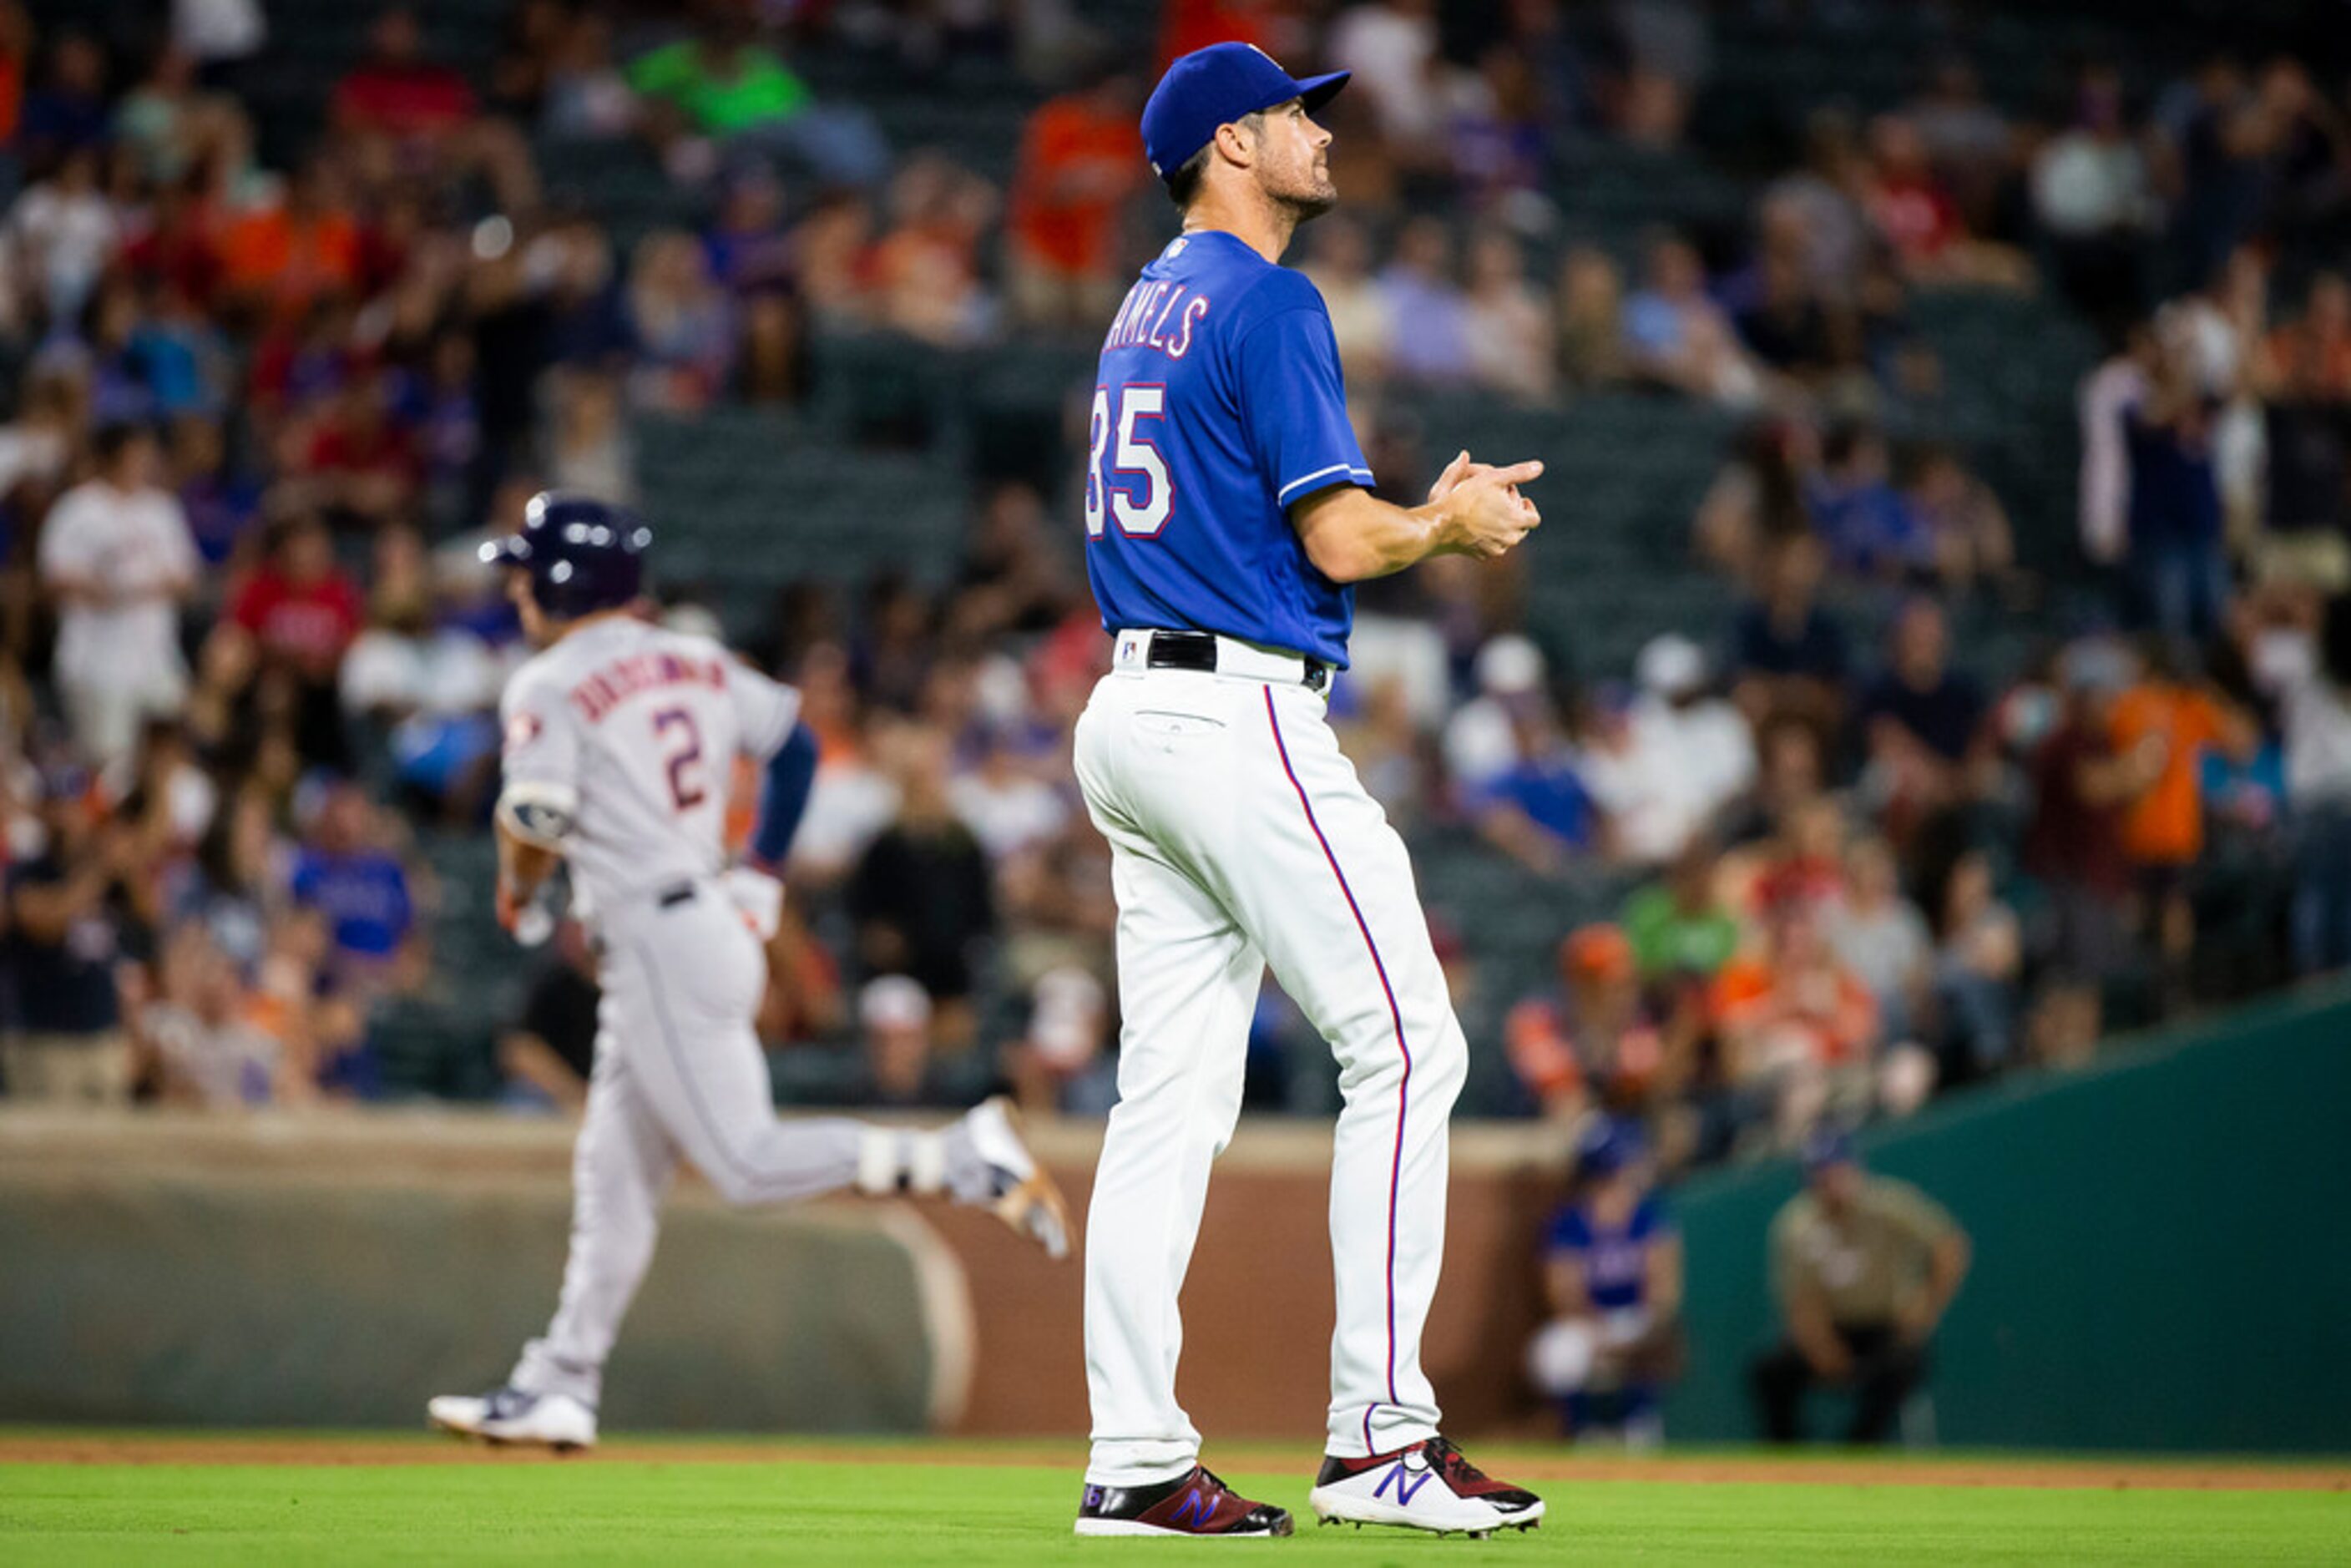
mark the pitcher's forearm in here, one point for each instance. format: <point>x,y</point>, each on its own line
<point>1352,536</point>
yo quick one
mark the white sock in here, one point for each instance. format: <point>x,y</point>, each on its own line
<point>891,1160</point>
<point>926,1164</point>
<point>881,1161</point>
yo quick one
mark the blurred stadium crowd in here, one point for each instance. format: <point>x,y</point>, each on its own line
<point>1826,854</point>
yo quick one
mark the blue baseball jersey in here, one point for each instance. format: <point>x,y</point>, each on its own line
<point>1615,1258</point>
<point>1218,405</point>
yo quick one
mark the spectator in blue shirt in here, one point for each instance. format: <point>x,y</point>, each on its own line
<point>1676,335</point>
<point>1537,810</point>
<point>1869,527</point>
<point>1921,722</point>
<point>73,915</point>
<point>68,112</point>
<point>2178,564</point>
<point>1613,1283</point>
<point>1430,317</point>
<point>1788,656</point>
<point>222,503</point>
<point>357,886</point>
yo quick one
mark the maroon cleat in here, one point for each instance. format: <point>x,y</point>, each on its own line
<point>1428,1486</point>
<point>1194,1504</point>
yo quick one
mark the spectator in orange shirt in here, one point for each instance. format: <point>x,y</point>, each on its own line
<point>1590,1041</point>
<point>1794,1025</point>
<point>926,269</point>
<point>1188,25</point>
<point>2318,342</point>
<point>279,259</point>
<point>1080,159</point>
<point>2169,725</point>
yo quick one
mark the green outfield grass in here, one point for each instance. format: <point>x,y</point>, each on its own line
<point>976,1515</point>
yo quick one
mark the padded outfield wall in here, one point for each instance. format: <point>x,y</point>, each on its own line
<point>2162,1262</point>
<point>2162,1248</point>
<point>308,1274</point>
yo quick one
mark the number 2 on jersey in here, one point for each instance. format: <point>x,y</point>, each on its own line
<point>1134,487</point>
<point>680,740</point>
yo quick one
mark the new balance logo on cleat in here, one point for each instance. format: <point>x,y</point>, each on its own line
<point>1400,1475</point>
<point>1194,1503</point>
<point>1428,1486</point>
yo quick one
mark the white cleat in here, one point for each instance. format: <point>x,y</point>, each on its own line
<point>1023,1196</point>
<point>1428,1486</point>
<point>509,1416</point>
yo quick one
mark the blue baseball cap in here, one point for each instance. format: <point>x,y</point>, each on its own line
<point>1608,1147</point>
<point>1217,86</point>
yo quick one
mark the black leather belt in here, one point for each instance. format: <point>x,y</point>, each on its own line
<point>1197,651</point>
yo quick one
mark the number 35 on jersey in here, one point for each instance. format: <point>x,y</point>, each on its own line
<point>1126,478</point>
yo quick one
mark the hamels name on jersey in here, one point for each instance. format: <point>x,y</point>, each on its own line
<point>1218,405</point>
<point>615,683</point>
<point>1159,315</point>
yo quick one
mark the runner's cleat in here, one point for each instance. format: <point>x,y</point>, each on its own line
<point>1023,1196</point>
<point>510,1416</point>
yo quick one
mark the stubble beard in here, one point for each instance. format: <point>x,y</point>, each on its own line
<point>1313,196</point>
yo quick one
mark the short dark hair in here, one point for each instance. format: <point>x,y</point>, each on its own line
<point>1184,184</point>
<point>116,437</point>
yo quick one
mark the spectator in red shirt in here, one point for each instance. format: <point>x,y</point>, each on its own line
<point>1804,867</point>
<point>428,114</point>
<point>280,646</point>
<point>396,92</point>
<point>299,607</point>
<point>2073,849</point>
<point>1909,204</point>
<point>1918,218</point>
<point>359,465</point>
<point>178,246</point>
<point>16,54</point>
<point>1080,160</point>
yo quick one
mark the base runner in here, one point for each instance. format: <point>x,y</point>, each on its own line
<point>619,738</point>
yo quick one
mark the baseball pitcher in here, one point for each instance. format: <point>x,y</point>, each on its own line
<point>1228,514</point>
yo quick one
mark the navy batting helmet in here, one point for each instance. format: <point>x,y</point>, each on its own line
<point>583,555</point>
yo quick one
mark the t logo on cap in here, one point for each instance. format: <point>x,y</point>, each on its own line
<point>1217,86</point>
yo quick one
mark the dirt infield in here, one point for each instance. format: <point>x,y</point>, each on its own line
<point>1821,1470</point>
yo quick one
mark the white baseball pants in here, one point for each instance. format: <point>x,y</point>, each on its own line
<point>1241,837</point>
<point>679,1071</point>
